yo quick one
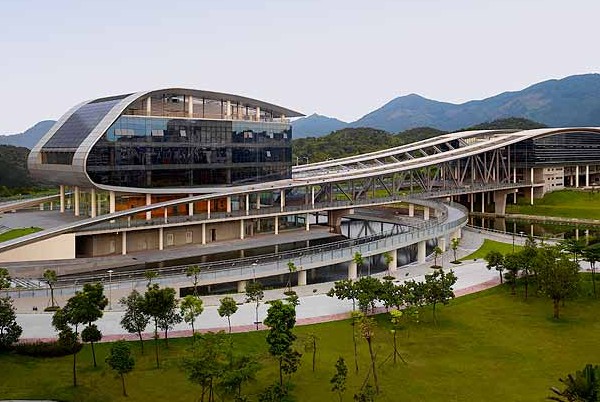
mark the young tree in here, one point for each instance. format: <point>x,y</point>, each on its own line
<point>227,308</point>
<point>345,290</point>
<point>10,331</point>
<point>558,276</point>
<point>241,370</point>
<point>338,381</point>
<point>50,278</point>
<point>436,253</point>
<point>4,278</point>
<point>135,320</point>
<point>368,292</point>
<point>495,259</point>
<point>281,319</point>
<point>582,387</point>
<point>254,294</point>
<point>208,362</point>
<point>358,260</point>
<point>291,362</point>
<point>158,303</point>
<point>310,345</point>
<point>396,320</point>
<point>96,302</point>
<point>193,272</point>
<point>169,319</point>
<point>438,288</point>
<point>191,307</point>
<point>91,334</point>
<point>388,258</point>
<point>454,243</point>
<point>367,329</point>
<point>574,246</point>
<point>291,269</point>
<point>591,254</point>
<point>513,264</point>
<point>121,361</point>
<point>150,276</point>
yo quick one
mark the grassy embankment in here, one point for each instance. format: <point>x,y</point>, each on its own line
<point>489,245</point>
<point>489,346</point>
<point>564,203</point>
<point>14,233</point>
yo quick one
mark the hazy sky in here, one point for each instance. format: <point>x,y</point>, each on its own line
<point>338,58</point>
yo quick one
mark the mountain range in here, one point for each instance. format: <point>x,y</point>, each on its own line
<point>571,101</point>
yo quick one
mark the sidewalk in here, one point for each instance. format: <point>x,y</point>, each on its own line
<point>315,306</point>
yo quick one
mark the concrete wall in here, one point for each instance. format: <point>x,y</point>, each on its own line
<point>56,248</point>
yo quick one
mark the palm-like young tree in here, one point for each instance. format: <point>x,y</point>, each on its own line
<point>291,269</point>
<point>50,278</point>
<point>436,253</point>
<point>583,387</point>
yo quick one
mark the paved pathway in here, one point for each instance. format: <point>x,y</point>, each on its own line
<point>314,306</point>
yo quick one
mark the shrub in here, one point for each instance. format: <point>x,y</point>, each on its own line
<point>51,308</point>
<point>45,349</point>
<point>389,278</point>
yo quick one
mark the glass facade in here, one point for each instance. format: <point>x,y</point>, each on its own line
<point>151,152</point>
<point>559,149</point>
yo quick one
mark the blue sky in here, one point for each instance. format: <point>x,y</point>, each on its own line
<point>338,58</point>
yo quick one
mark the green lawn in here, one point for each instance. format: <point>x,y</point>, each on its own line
<point>564,203</point>
<point>489,346</point>
<point>489,245</point>
<point>14,233</point>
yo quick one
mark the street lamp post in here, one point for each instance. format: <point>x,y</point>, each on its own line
<point>254,271</point>
<point>110,272</point>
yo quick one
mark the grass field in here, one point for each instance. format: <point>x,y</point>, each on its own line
<point>565,203</point>
<point>489,245</point>
<point>14,233</point>
<point>488,346</point>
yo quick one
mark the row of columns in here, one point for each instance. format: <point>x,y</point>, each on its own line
<point>77,201</point>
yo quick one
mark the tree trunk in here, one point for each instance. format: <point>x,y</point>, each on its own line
<point>354,341</point>
<point>156,346</point>
<point>373,365</point>
<point>314,354</point>
<point>556,308</point>
<point>229,323</point>
<point>141,341</point>
<point>257,316</point>
<point>434,316</point>
<point>395,348</point>
<point>193,330</point>
<point>123,383</point>
<point>280,371</point>
<point>52,296</point>
<point>526,284</point>
<point>167,338</point>
<point>94,354</point>
<point>500,273</point>
<point>594,280</point>
<point>74,368</point>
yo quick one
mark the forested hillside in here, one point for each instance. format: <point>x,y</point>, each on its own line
<point>14,177</point>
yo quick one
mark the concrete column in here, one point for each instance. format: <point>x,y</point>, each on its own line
<point>587,237</point>
<point>41,206</point>
<point>500,202</point>
<point>111,202</point>
<point>257,113</point>
<point>148,202</point>
<point>457,234</point>
<point>247,204</point>
<point>421,251</point>
<point>76,198</point>
<point>312,196</point>
<point>62,198</point>
<point>161,243</point>
<point>393,264</point>
<point>148,106</point>
<point>352,270</point>
<point>228,203</point>
<point>411,210</point>
<point>282,199</point>
<point>302,278</point>
<point>123,243</point>
<point>276,225</point>
<point>228,110</point>
<point>482,203</point>
<point>93,203</point>
<point>587,175</point>
<point>426,213</point>
<point>442,243</point>
<point>472,199</point>
<point>51,205</point>
<point>307,222</point>
<point>577,234</point>
<point>242,231</point>
<point>191,207</point>
<point>190,106</point>
<point>258,201</point>
<point>241,286</point>
<point>204,233</point>
<point>166,214</point>
<point>208,208</point>
<point>515,181</point>
<point>577,176</point>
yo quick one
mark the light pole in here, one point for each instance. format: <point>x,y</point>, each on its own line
<point>110,272</point>
<point>254,271</point>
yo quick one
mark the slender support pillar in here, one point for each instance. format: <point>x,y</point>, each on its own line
<point>577,234</point>
<point>94,206</point>
<point>228,204</point>
<point>241,286</point>
<point>228,110</point>
<point>421,251</point>
<point>515,181</point>
<point>204,233</point>
<point>457,234</point>
<point>472,199</point>
<point>276,225</point>
<point>411,210</point>
<point>247,204</point>
<point>483,203</point>
<point>148,106</point>
<point>76,198</point>
<point>426,213</point>
<point>111,202</point>
<point>123,243</point>
<point>307,222</point>
<point>577,176</point>
<point>258,201</point>
<point>393,264</point>
<point>166,214</point>
<point>257,113</point>
<point>442,243</point>
<point>161,243</point>
<point>312,196</point>
<point>41,206</point>
<point>242,229</point>
<point>51,205</point>
<point>587,175</point>
<point>352,270</point>
<point>282,199</point>
<point>62,198</point>
<point>191,204</point>
<point>587,237</point>
<point>208,209</point>
<point>302,278</point>
<point>190,106</point>
<point>148,202</point>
